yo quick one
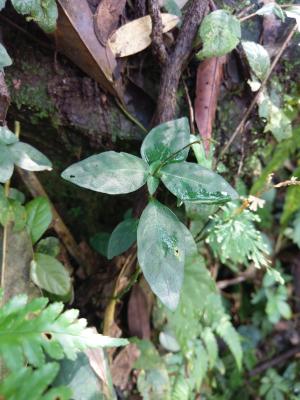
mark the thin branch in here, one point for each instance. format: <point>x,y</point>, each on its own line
<point>246,115</point>
<point>158,46</point>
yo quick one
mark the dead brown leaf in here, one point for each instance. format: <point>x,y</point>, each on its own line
<point>76,38</point>
<point>209,79</point>
<point>123,364</point>
<point>106,18</point>
<point>139,310</point>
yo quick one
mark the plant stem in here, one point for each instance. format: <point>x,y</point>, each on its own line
<point>5,228</point>
<point>130,116</point>
<point>256,97</point>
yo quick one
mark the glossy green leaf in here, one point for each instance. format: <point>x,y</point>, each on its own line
<point>296,231</point>
<point>122,237</point>
<point>18,215</point>
<point>189,181</point>
<point>5,60</point>
<point>7,136</point>
<point>49,274</point>
<point>291,203</point>
<point>220,33</point>
<point>109,172</point>
<point>161,252</point>
<point>258,58</point>
<point>6,164</point>
<point>43,12</point>
<point>27,157</point>
<point>165,140</point>
<point>39,217</point>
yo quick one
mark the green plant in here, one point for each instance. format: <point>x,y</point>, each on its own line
<point>160,235</point>
<point>32,332</point>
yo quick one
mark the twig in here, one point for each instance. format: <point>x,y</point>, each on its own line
<point>109,314</point>
<point>36,189</point>
<point>167,100</point>
<point>158,46</point>
<point>274,362</point>
<point>130,116</point>
<point>191,110</point>
<point>256,97</point>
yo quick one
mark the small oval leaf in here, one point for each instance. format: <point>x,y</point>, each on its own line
<point>49,274</point>
<point>109,172</point>
<point>7,136</point>
<point>27,157</point>
<point>39,217</point>
<point>122,237</point>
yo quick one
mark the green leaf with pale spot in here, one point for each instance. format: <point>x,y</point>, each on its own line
<point>49,274</point>
<point>109,172</point>
<point>122,237</point>
<point>220,33</point>
<point>28,330</point>
<point>165,140</point>
<point>5,60</point>
<point>7,136</point>
<point>6,164</point>
<point>258,58</point>
<point>193,182</point>
<point>27,157</point>
<point>39,217</point>
<point>161,252</point>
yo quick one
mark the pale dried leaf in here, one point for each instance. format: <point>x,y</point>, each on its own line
<point>123,364</point>
<point>135,36</point>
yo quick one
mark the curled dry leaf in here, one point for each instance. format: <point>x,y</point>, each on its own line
<point>106,18</point>
<point>135,36</point>
<point>209,79</point>
<point>76,38</point>
<point>123,365</point>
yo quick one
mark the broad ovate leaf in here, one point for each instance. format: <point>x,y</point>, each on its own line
<point>27,157</point>
<point>5,60</point>
<point>109,172</point>
<point>220,33</point>
<point>6,164</point>
<point>49,274</point>
<point>192,182</point>
<point>165,140</point>
<point>122,237</point>
<point>39,216</point>
<point>7,136</point>
<point>258,59</point>
<point>161,252</point>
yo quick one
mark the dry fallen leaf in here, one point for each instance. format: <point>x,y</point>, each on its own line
<point>76,38</point>
<point>123,364</point>
<point>135,36</point>
<point>209,79</point>
<point>106,18</point>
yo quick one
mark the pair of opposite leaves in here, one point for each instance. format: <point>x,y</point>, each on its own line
<point>160,236</point>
